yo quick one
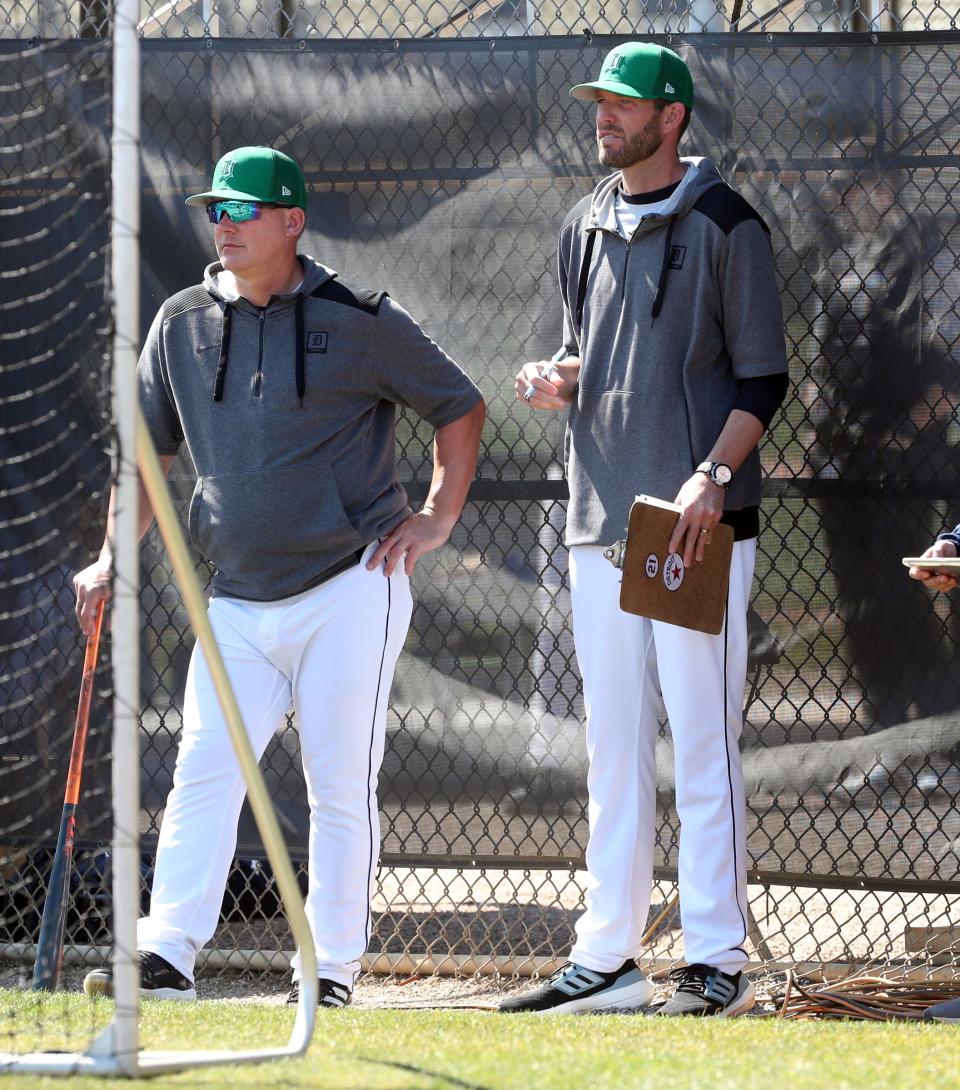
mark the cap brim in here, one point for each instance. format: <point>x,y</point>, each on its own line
<point>588,91</point>
<point>221,195</point>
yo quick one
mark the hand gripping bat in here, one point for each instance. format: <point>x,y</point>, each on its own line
<point>49,960</point>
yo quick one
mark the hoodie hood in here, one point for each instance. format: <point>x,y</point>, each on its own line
<point>701,175</point>
<point>220,284</point>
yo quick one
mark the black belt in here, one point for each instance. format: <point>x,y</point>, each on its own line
<point>350,561</point>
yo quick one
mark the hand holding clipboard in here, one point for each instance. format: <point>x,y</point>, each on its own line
<point>657,584</point>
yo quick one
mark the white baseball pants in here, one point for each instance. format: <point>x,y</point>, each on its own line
<point>634,671</point>
<point>331,652</point>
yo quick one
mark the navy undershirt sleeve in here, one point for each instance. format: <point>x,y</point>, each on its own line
<point>951,535</point>
<point>761,396</point>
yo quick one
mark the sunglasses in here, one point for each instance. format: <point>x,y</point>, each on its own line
<point>238,211</point>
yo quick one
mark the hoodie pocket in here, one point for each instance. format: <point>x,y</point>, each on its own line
<point>272,525</point>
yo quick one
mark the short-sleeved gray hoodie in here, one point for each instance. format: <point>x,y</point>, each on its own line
<point>672,319</point>
<point>288,412</point>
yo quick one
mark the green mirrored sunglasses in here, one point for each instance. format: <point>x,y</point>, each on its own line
<point>238,211</point>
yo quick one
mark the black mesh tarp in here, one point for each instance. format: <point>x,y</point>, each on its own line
<point>54,437</point>
<point>441,172</point>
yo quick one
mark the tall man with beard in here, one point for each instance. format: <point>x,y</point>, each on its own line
<point>673,364</point>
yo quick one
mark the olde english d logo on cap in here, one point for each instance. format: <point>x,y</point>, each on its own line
<point>226,169</point>
<point>614,64</point>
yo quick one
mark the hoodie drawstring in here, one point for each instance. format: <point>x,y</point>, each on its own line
<point>664,271</point>
<point>301,369</point>
<point>584,276</point>
<point>661,283</point>
<point>224,352</point>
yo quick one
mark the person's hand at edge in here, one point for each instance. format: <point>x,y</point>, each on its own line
<point>936,580</point>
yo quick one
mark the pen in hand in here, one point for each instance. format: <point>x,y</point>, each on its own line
<point>546,370</point>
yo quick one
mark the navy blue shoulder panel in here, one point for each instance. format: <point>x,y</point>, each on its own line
<point>188,299</point>
<point>579,209</point>
<point>727,209</point>
<point>336,291</point>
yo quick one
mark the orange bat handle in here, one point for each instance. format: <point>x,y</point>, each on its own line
<point>72,793</point>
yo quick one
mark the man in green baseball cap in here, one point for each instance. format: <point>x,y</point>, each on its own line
<point>671,366</point>
<point>284,382</point>
<point>644,96</point>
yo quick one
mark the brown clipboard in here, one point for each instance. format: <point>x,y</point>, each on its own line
<point>657,584</point>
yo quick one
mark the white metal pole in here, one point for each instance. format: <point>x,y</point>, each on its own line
<point>125,281</point>
<point>260,803</point>
<point>884,17</point>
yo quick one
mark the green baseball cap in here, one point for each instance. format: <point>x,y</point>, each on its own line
<point>256,174</point>
<point>641,70</point>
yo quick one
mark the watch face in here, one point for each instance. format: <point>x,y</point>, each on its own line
<point>722,474</point>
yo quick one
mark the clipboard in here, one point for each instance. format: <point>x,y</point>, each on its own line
<point>657,584</point>
<point>933,563</point>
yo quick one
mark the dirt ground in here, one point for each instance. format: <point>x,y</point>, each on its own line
<point>487,931</point>
<point>373,991</point>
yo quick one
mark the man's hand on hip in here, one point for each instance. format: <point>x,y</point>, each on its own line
<point>455,447</point>
<point>418,534</point>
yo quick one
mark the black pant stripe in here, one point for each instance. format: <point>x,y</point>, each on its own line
<point>733,809</point>
<point>375,832</point>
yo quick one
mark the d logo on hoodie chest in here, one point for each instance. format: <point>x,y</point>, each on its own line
<point>316,342</point>
<point>677,255</point>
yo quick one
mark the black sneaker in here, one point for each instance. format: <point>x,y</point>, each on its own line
<point>329,994</point>
<point>574,988</point>
<point>947,1011</point>
<point>158,980</point>
<point>702,990</point>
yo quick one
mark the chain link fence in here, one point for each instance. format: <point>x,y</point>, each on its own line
<point>55,430</point>
<point>363,20</point>
<point>441,151</point>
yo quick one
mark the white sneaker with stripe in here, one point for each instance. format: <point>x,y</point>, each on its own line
<point>574,988</point>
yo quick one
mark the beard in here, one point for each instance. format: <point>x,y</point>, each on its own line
<point>633,150</point>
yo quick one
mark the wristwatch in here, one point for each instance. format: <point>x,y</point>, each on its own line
<point>718,472</point>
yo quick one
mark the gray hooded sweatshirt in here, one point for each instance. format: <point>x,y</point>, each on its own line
<point>666,323</point>
<point>288,412</point>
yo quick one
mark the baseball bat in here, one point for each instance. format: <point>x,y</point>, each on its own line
<point>49,960</point>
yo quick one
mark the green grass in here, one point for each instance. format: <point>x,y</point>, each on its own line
<point>467,1050</point>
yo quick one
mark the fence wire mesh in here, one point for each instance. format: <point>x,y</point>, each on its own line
<point>448,19</point>
<point>55,432</point>
<point>441,152</point>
